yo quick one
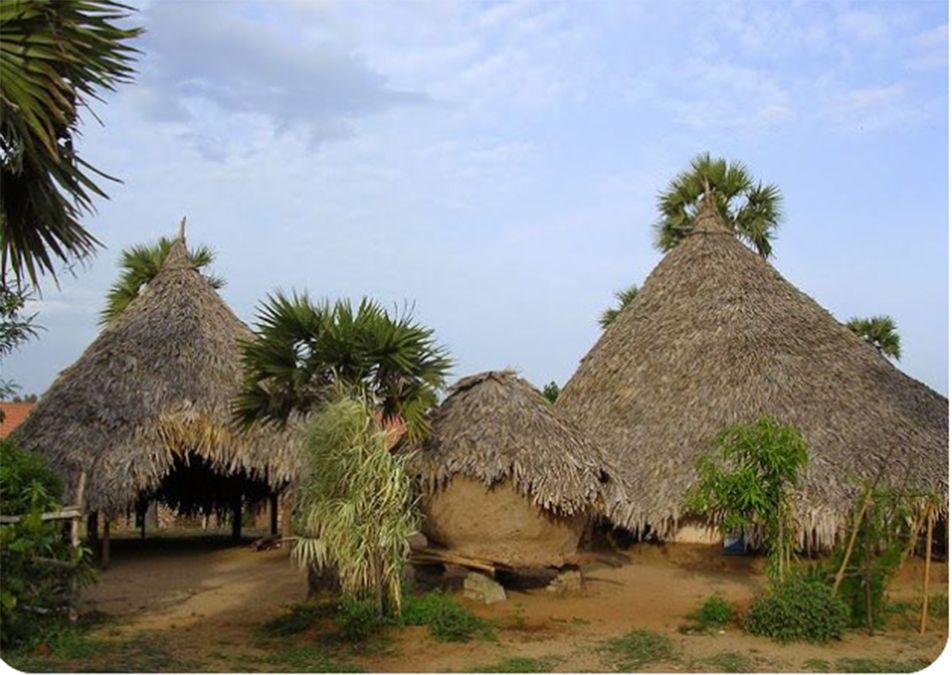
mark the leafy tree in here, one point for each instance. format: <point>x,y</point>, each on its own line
<point>746,484</point>
<point>28,488</point>
<point>551,392</point>
<point>301,349</point>
<point>140,265</point>
<point>54,58</point>
<point>624,296</point>
<point>880,332</point>
<point>355,507</point>
<point>15,329</point>
<point>751,210</point>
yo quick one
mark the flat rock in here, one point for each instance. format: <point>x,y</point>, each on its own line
<point>481,588</point>
<point>566,581</point>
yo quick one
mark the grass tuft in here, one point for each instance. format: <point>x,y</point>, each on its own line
<point>297,620</point>
<point>729,662</point>
<point>448,620</point>
<point>518,664</point>
<point>638,648</point>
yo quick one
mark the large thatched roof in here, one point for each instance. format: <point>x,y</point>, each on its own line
<point>716,337</point>
<point>495,426</point>
<point>155,385</point>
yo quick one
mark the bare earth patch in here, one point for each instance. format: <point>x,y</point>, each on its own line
<point>192,604</point>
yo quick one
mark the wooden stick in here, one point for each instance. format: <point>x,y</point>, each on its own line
<point>925,577</point>
<point>852,541</point>
<point>72,613</point>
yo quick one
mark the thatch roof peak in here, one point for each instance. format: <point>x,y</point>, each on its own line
<point>708,220</point>
<point>717,336</point>
<point>495,426</point>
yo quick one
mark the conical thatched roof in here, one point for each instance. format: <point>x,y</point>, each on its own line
<point>156,384</point>
<point>495,426</point>
<point>716,337</point>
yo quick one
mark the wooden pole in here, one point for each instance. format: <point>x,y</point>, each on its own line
<point>92,529</point>
<point>72,612</point>
<point>104,558</point>
<point>273,504</point>
<point>930,521</point>
<point>841,572</point>
<point>236,520</point>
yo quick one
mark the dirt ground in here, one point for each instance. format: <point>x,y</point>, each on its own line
<point>202,600</point>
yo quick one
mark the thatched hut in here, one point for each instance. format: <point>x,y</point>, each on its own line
<point>145,412</point>
<point>716,337</point>
<point>507,478</point>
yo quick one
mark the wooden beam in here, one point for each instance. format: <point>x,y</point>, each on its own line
<point>68,513</point>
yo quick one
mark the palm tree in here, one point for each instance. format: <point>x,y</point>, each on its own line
<point>54,57</point>
<point>139,265</point>
<point>301,350</point>
<point>880,332</point>
<point>751,210</point>
<point>623,296</point>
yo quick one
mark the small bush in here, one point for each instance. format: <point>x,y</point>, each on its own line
<point>712,615</point>
<point>639,648</point>
<point>358,620</point>
<point>448,620</point>
<point>798,609</point>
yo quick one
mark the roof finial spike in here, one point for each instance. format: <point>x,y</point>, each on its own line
<point>181,229</point>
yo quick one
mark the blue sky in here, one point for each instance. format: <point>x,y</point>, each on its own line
<point>497,163</point>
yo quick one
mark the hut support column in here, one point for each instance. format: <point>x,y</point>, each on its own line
<point>92,529</point>
<point>104,557</point>
<point>236,520</point>
<point>273,504</point>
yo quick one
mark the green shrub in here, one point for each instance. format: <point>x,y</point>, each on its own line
<point>27,489</point>
<point>358,620</point>
<point>798,609</point>
<point>713,614</point>
<point>448,620</point>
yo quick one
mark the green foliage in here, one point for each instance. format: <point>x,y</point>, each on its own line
<point>729,662</point>
<point>29,489</point>
<point>881,540</point>
<point>880,332</point>
<point>551,392</point>
<point>139,265</point>
<point>358,619</point>
<point>624,296</point>
<point>939,606</point>
<point>517,664</point>
<point>751,210</point>
<point>715,613</point>
<point>56,56</point>
<point>798,609</point>
<point>355,508</point>
<point>298,619</point>
<point>747,481</point>
<point>636,649</point>
<point>15,329</point>
<point>302,349</point>
<point>448,620</point>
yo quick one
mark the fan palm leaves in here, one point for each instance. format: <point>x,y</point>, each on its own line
<point>880,332</point>
<point>750,209</point>
<point>54,57</point>
<point>301,349</point>
<point>140,265</point>
<point>624,296</point>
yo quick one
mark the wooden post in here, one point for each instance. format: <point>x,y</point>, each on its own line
<point>930,521</point>
<point>92,529</point>
<point>273,503</point>
<point>236,520</point>
<point>104,557</point>
<point>72,612</point>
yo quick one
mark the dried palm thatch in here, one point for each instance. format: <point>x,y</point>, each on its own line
<point>495,426</point>
<point>154,386</point>
<point>716,337</point>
